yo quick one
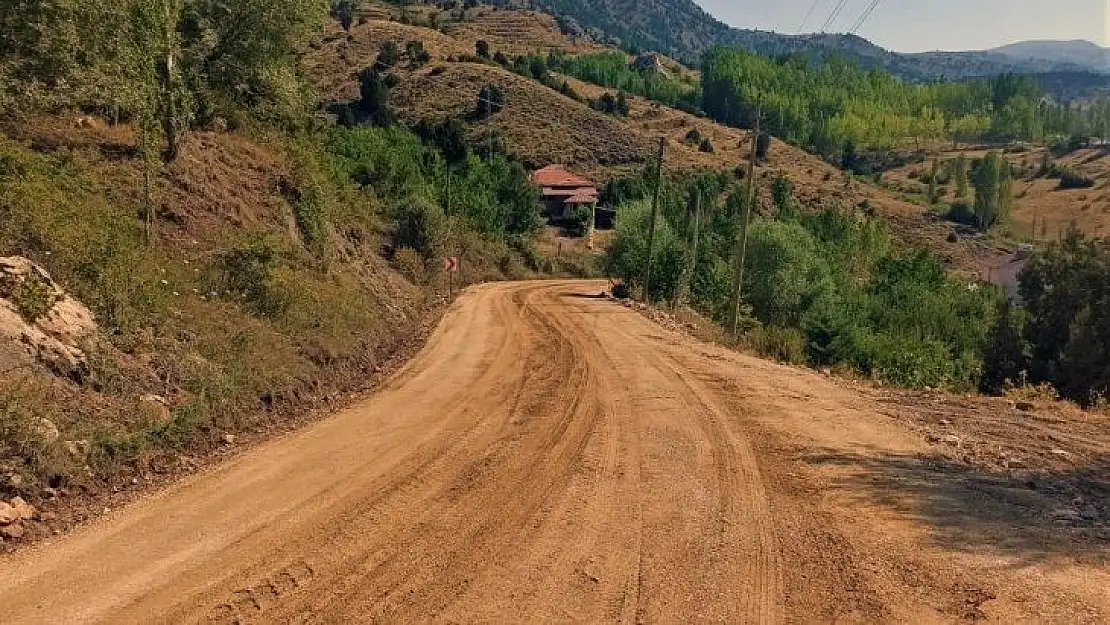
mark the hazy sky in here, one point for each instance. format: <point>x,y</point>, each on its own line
<point>918,25</point>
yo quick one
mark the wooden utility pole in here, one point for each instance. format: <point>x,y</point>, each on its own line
<point>740,257</point>
<point>654,217</point>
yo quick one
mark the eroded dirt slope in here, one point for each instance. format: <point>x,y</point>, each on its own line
<point>552,455</point>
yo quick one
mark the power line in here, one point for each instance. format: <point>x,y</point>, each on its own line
<point>835,14</point>
<point>865,16</point>
<point>809,13</point>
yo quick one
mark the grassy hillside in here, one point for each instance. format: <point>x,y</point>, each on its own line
<point>1039,194</point>
<point>253,272</point>
<point>543,126</point>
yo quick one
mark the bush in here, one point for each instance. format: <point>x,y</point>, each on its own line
<point>1072,179</point>
<point>420,226</point>
<point>246,272</point>
<point>962,212</point>
<point>782,344</point>
<point>482,49</point>
<point>33,298</point>
<point>579,221</point>
<point>706,146</point>
<point>763,146</point>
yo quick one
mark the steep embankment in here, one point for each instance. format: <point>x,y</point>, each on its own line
<point>244,288</point>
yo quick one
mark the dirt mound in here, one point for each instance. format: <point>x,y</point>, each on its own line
<point>40,322</point>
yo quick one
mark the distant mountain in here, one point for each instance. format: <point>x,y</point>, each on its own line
<point>1079,53</point>
<point>682,29</point>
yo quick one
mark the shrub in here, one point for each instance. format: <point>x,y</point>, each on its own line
<point>411,265</point>
<point>418,56</point>
<point>33,298</point>
<point>782,344</point>
<point>782,194</point>
<point>962,212</point>
<point>420,226</point>
<point>246,272</point>
<point>1072,179</point>
<point>706,146</point>
<point>579,220</point>
<point>763,146</point>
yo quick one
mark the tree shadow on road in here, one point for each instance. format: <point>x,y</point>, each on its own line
<point>1031,516</point>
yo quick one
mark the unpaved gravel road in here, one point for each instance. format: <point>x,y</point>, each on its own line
<point>551,456</point>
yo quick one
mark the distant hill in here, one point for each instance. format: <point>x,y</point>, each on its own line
<point>682,29</point>
<point>1079,53</point>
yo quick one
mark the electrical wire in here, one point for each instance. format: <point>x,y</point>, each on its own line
<point>809,14</point>
<point>835,14</point>
<point>865,16</point>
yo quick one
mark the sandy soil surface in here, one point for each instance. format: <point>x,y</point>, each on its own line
<point>555,456</point>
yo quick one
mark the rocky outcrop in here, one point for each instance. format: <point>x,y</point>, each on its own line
<point>14,515</point>
<point>40,322</point>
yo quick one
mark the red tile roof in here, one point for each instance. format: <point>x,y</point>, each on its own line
<point>559,176</point>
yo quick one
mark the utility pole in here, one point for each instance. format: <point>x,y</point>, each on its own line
<point>740,257</point>
<point>654,217</point>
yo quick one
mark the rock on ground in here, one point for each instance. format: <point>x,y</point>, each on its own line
<point>55,339</point>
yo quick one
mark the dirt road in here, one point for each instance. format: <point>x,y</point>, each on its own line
<point>550,456</point>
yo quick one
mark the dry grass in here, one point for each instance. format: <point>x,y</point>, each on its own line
<point>1041,199</point>
<point>536,123</point>
<point>517,32</point>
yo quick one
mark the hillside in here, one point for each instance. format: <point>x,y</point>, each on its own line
<point>542,127</point>
<point>1039,198</point>
<point>683,29</point>
<point>1078,53</point>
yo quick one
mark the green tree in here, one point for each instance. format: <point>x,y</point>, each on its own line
<point>993,194</point>
<point>1006,356</point>
<point>783,195</point>
<point>959,168</point>
<point>373,103</point>
<point>344,11</point>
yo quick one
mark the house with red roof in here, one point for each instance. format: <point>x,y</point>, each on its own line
<point>563,191</point>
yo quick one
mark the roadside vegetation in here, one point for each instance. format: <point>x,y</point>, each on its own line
<point>243,259</point>
<point>828,288</point>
